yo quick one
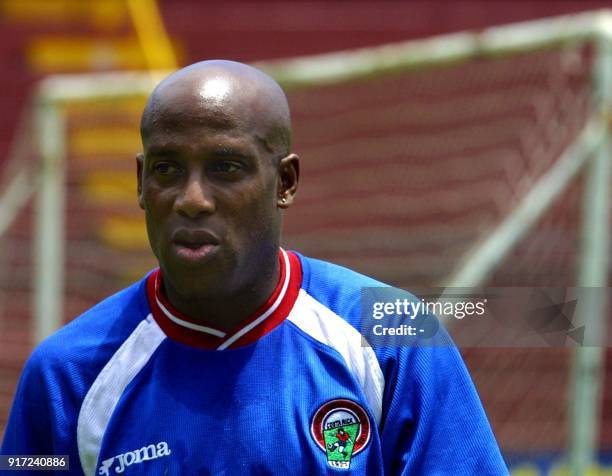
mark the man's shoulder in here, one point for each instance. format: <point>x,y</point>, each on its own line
<point>323,273</point>
<point>336,287</point>
<point>97,332</point>
<point>349,294</point>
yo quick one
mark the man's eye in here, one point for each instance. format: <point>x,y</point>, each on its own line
<point>227,167</point>
<point>165,168</point>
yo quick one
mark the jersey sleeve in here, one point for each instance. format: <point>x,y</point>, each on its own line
<point>29,431</point>
<point>433,421</point>
<point>60,371</point>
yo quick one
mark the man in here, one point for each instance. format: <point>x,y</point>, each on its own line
<point>236,356</point>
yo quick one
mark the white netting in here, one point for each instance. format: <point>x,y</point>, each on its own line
<point>402,174</point>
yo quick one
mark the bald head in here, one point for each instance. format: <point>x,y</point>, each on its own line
<point>222,95</point>
<point>214,180</point>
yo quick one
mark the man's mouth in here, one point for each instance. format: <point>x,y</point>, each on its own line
<point>194,246</point>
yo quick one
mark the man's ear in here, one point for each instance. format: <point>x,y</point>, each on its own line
<point>139,168</point>
<point>288,178</point>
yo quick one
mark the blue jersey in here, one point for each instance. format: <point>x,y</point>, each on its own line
<point>134,387</point>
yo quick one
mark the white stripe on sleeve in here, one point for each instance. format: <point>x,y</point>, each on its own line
<point>327,327</point>
<point>104,394</point>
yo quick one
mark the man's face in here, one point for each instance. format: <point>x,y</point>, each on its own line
<point>209,189</point>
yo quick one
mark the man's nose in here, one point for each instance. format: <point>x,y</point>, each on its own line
<point>195,199</point>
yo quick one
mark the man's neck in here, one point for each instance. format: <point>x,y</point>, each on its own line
<point>226,312</point>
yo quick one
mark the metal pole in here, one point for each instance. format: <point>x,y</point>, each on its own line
<point>152,35</point>
<point>333,68</point>
<point>588,361</point>
<point>49,225</point>
<point>480,261</point>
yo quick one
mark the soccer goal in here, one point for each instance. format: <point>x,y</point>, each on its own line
<point>462,160</point>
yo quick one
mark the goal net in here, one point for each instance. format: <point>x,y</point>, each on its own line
<point>461,160</point>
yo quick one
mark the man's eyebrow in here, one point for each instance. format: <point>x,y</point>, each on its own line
<point>229,152</point>
<point>161,152</point>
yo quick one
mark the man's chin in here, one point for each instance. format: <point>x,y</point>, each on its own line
<point>195,284</point>
<point>193,274</point>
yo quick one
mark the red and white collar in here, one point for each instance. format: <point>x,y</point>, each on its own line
<point>182,328</point>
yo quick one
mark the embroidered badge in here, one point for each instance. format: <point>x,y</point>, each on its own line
<point>341,428</point>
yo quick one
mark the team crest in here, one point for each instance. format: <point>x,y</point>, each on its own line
<point>341,428</point>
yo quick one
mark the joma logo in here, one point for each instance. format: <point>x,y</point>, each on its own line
<point>124,460</point>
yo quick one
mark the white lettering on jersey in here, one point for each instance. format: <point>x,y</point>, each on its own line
<point>129,458</point>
